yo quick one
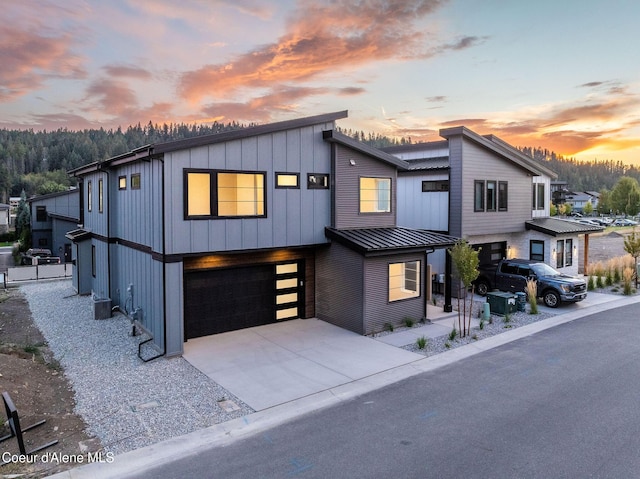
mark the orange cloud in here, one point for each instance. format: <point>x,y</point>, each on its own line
<point>321,38</point>
<point>29,58</point>
<point>129,71</point>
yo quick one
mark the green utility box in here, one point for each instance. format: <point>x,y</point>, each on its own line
<point>502,303</point>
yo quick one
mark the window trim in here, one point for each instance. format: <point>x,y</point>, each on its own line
<point>478,187</point>
<point>317,185</point>
<point>279,174</point>
<point>417,293</point>
<point>378,200</point>
<point>536,257</point>
<point>213,194</point>
<point>100,196</point>
<point>503,204</point>
<point>122,182</point>
<point>41,213</point>
<point>136,181</point>
<point>89,196</point>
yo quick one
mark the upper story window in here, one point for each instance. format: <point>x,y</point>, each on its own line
<point>122,182</point>
<point>503,195</point>
<point>430,186</point>
<point>317,181</point>
<point>224,194</point>
<point>135,181</point>
<point>490,195</point>
<point>288,180</point>
<point>538,200</point>
<point>41,213</point>
<point>89,196</point>
<point>375,195</point>
<point>100,196</point>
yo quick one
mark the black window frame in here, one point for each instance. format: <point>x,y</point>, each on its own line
<point>93,260</point>
<point>89,196</point>
<point>41,213</point>
<point>491,201</point>
<point>136,181</point>
<point>213,194</point>
<point>503,196</point>
<point>100,195</point>
<point>122,186</point>
<point>313,182</point>
<point>278,174</point>
<point>478,187</point>
<point>439,186</point>
<point>534,256</point>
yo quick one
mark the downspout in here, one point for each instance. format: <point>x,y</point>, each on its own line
<point>448,308</point>
<point>425,318</point>
<point>164,257</point>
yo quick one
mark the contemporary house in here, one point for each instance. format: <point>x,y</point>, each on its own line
<point>248,227</point>
<point>484,190</point>
<point>52,216</point>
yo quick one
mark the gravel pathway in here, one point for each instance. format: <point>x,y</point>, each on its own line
<point>126,403</point>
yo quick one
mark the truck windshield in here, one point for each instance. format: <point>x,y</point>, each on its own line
<point>542,269</point>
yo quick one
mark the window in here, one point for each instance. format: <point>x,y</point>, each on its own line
<point>122,182</point>
<point>503,195</point>
<point>317,181</point>
<point>435,186</point>
<point>538,196</point>
<point>89,199</point>
<point>404,280</point>
<point>478,195</point>
<point>43,242</point>
<point>375,195</point>
<point>100,195</point>
<point>564,253</point>
<point>41,213</point>
<point>568,252</point>
<point>135,181</point>
<point>224,194</point>
<point>288,180</point>
<point>93,260</point>
<point>536,250</point>
<point>491,195</point>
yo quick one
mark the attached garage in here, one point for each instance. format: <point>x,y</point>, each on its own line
<point>227,297</point>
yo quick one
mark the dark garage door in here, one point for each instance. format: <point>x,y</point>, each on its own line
<point>217,301</point>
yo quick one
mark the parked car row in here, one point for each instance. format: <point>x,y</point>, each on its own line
<point>604,221</point>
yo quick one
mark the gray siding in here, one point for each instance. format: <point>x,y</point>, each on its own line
<point>377,309</point>
<point>339,287</point>
<point>480,164</point>
<point>347,190</point>
<point>175,309</point>
<point>417,209</point>
<point>294,217</point>
<point>95,221</point>
<point>100,283</point>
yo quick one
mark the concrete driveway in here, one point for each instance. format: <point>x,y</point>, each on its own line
<point>277,363</point>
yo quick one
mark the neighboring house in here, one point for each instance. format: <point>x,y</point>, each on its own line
<point>4,218</point>
<point>14,202</point>
<point>249,227</point>
<point>52,217</point>
<point>580,199</point>
<point>484,190</point>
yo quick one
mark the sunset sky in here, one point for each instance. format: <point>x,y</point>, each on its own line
<point>559,74</point>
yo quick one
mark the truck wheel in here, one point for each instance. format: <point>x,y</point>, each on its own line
<point>482,288</point>
<point>551,299</point>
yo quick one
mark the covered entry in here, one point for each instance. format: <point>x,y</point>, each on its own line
<point>225,299</point>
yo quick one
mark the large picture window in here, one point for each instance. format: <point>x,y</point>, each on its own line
<point>404,280</point>
<point>224,194</point>
<point>375,195</point>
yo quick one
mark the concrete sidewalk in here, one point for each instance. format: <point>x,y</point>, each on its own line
<point>136,462</point>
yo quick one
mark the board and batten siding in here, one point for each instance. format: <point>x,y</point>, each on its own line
<point>94,221</point>
<point>378,311</point>
<point>480,164</point>
<point>294,217</point>
<point>100,283</point>
<point>422,210</point>
<point>339,287</point>
<point>347,189</point>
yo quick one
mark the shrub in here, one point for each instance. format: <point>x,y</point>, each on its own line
<point>421,342</point>
<point>532,294</point>
<point>627,277</point>
<point>591,284</point>
<point>453,334</point>
<point>388,327</point>
<point>599,282</point>
<point>408,322</point>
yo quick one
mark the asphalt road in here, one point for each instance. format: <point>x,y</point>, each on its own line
<point>563,403</point>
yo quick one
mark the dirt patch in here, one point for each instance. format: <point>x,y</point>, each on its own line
<point>39,389</point>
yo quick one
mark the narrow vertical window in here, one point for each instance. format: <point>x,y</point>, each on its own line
<point>491,195</point>
<point>478,195</point>
<point>122,182</point>
<point>540,203</point>
<point>89,196</point>
<point>198,194</point>
<point>100,196</point>
<point>93,260</point>
<point>560,254</point>
<point>568,252</point>
<point>503,196</point>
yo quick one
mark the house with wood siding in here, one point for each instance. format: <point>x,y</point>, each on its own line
<point>484,190</point>
<point>249,227</point>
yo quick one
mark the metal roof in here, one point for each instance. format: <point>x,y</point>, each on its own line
<point>557,226</point>
<point>371,241</point>
<point>78,235</point>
